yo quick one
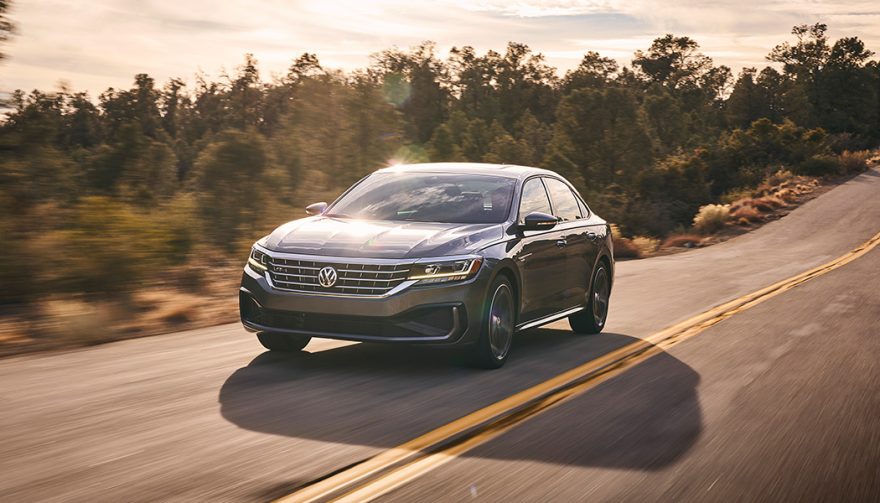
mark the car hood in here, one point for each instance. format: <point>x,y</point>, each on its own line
<point>342,237</point>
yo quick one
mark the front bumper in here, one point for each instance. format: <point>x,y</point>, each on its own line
<point>441,314</point>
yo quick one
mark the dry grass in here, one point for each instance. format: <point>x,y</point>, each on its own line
<point>737,195</point>
<point>711,218</point>
<point>682,241</point>
<point>746,214</point>
<point>170,305</point>
<point>788,194</point>
<point>779,178</point>
<point>766,203</point>
<point>76,321</point>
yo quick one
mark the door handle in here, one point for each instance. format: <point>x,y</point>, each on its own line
<point>561,243</point>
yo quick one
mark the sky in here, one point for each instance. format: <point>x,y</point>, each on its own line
<point>96,44</point>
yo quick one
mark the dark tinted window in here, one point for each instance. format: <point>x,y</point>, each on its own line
<point>428,197</point>
<point>565,203</point>
<point>534,198</point>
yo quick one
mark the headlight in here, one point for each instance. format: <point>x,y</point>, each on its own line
<point>442,271</point>
<point>258,261</point>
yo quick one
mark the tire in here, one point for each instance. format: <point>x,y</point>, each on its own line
<point>496,327</point>
<point>592,319</point>
<point>287,343</point>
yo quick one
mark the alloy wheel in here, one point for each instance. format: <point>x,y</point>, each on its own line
<point>501,322</point>
<point>601,293</point>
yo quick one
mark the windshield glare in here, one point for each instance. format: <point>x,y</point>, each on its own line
<point>428,197</point>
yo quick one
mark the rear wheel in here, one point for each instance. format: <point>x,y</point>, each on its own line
<point>592,319</point>
<point>288,343</point>
<point>496,335</point>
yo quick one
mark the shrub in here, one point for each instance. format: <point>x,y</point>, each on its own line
<point>820,165</point>
<point>645,245</point>
<point>711,218</point>
<point>853,162</point>
<point>625,248</point>
<point>682,241</point>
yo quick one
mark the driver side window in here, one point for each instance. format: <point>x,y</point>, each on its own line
<point>534,198</point>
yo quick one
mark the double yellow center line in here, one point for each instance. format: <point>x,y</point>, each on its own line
<point>395,467</point>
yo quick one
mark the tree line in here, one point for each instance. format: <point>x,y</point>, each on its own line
<point>136,180</point>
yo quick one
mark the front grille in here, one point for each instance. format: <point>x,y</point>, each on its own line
<point>352,278</point>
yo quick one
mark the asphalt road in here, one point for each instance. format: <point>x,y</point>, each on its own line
<point>776,403</point>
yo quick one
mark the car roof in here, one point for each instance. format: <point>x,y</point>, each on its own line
<point>508,170</point>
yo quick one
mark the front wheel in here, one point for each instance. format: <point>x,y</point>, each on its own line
<point>496,334</point>
<point>592,319</point>
<point>287,343</point>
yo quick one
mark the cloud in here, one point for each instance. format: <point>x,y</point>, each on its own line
<point>102,43</point>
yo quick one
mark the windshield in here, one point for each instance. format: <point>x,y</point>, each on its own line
<point>428,197</point>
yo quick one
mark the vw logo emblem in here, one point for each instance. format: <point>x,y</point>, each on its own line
<point>327,277</point>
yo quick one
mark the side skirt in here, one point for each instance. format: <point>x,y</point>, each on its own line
<point>549,318</point>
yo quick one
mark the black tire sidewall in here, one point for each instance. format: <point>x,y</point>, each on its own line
<point>583,322</point>
<point>287,343</point>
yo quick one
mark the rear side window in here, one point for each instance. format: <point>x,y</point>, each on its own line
<point>534,198</point>
<point>564,201</point>
<point>584,211</point>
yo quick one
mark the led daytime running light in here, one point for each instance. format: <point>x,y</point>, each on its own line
<point>469,271</point>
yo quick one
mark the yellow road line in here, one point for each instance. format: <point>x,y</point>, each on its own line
<point>397,466</point>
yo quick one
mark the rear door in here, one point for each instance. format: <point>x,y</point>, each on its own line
<point>578,249</point>
<point>541,258</point>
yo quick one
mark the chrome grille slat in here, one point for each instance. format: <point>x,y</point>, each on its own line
<point>298,266</point>
<point>372,279</point>
<point>301,275</point>
<point>373,272</point>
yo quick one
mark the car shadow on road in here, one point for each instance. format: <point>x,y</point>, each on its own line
<point>382,396</point>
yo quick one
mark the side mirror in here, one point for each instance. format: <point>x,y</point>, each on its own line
<point>538,221</point>
<point>316,208</point>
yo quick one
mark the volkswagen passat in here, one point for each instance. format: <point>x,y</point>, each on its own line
<point>453,254</point>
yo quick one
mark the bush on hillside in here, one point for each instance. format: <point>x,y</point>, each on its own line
<point>711,218</point>
<point>819,165</point>
<point>853,162</point>
<point>645,245</point>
